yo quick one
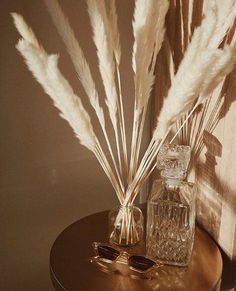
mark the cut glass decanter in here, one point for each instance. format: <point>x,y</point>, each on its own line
<point>171,209</point>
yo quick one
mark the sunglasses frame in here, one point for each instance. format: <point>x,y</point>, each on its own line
<point>122,258</point>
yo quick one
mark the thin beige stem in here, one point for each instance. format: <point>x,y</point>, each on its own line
<point>183,124</point>
<point>111,179</point>
<point>144,178</point>
<point>149,150</point>
<point>133,145</point>
<point>118,150</point>
<point>194,128</point>
<point>139,180</point>
<point>143,168</point>
<point>122,120</point>
<point>153,154</point>
<point>189,129</point>
<point>139,139</point>
<point>113,159</point>
<point>109,172</point>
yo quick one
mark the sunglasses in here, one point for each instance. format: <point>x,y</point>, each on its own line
<point>109,254</point>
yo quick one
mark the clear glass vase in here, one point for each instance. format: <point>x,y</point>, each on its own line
<point>126,225</point>
<point>171,209</point>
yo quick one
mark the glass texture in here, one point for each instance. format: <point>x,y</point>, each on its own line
<point>126,225</point>
<point>173,160</point>
<point>171,212</point>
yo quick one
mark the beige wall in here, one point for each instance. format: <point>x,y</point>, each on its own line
<point>47,179</point>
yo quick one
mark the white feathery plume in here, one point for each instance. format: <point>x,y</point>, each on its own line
<point>24,30</point>
<point>64,99</point>
<point>208,26</point>
<point>28,37</point>
<point>148,28</point>
<point>223,66</point>
<point>149,35</point>
<point>214,27</point>
<point>226,13</point>
<point>45,70</point>
<point>208,63</point>
<point>105,57</point>
<point>186,87</point>
<point>115,39</point>
<point>113,22</point>
<point>186,84</point>
<point>76,115</point>
<point>37,60</point>
<point>159,28</point>
<point>103,43</point>
<point>77,56</point>
<point>141,12</point>
<point>35,64</point>
<point>81,66</point>
<point>69,104</point>
<point>148,43</point>
<point>140,17</point>
<point>200,39</point>
<point>184,91</point>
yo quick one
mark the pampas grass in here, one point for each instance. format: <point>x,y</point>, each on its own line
<point>148,28</point>
<point>103,42</point>
<point>115,38</point>
<point>45,69</point>
<point>189,88</point>
<point>204,116</point>
<point>82,68</point>
<point>208,55</point>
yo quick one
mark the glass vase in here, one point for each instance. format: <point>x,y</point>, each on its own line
<point>171,209</point>
<point>126,225</point>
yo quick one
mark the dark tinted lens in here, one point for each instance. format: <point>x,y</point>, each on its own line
<point>107,253</point>
<point>140,263</point>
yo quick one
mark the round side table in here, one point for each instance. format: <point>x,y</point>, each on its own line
<point>72,270</point>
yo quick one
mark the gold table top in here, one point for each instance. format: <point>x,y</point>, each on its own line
<point>72,270</point>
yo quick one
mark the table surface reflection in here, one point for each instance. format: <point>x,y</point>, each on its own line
<point>72,270</point>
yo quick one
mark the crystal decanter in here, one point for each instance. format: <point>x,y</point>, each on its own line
<point>171,209</point>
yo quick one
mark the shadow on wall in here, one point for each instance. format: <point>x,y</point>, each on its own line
<point>209,200</point>
<point>216,208</point>
<point>216,203</point>
<point>214,195</point>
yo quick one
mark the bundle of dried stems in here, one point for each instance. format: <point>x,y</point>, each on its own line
<point>210,54</point>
